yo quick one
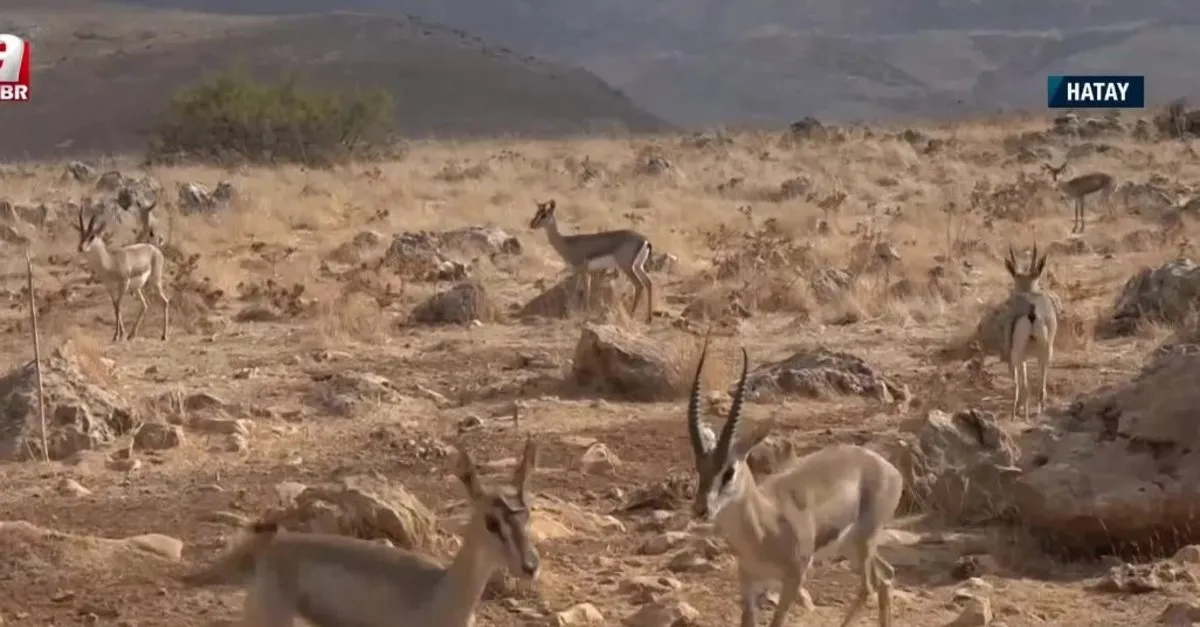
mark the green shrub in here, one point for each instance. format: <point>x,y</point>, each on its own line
<point>230,117</point>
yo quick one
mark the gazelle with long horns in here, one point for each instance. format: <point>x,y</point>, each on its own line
<point>129,268</point>
<point>1030,317</point>
<point>834,502</point>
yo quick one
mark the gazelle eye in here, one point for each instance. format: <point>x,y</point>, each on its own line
<point>493,525</point>
<point>727,476</point>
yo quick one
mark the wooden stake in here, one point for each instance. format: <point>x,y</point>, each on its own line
<point>37,354</point>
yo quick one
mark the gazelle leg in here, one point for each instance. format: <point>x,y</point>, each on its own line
<point>118,297</point>
<point>633,277</point>
<point>587,290</point>
<point>884,573</point>
<point>1044,363</point>
<point>166,303</point>
<point>137,322</point>
<point>1024,387</point>
<point>267,605</point>
<point>649,287</point>
<point>1081,217</point>
<point>793,587</point>
<point>865,558</point>
<point>751,589</point>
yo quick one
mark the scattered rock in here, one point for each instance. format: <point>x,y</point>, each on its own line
<point>664,613</point>
<point>820,372</point>
<point>157,436</point>
<point>961,466</point>
<point>1180,614</point>
<point>466,302</point>
<point>165,546</point>
<point>344,393</point>
<point>663,542</point>
<point>80,172</point>
<point>598,460</point>
<point>80,414</point>
<point>363,507</point>
<point>612,360</point>
<point>976,612</point>
<point>581,614</point>
<point>71,487</point>
<point>565,298</point>
<point>194,197</point>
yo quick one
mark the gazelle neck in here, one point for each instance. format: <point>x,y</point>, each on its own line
<point>458,594</point>
<point>556,238</point>
<point>745,516</point>
<point>98,256</point>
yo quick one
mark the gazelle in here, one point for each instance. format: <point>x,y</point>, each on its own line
<point>1029,316</point>
<point>622,249</point>
<point>836,501</point>
<point>339,581</point>
<point>1080,187</point>
<point>127,268</point>
<point>147,223</point>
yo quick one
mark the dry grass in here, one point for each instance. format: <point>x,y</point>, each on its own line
<point>800,250</point>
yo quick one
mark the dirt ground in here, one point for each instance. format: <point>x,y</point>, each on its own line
<point>948,211</point>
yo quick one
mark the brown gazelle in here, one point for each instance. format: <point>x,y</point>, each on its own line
<point>836,501</point>
<point>1079,188</point>
<point>128,268</point>
<point>623,249</point>
<point>1029,316</point>
<point>340,581</point>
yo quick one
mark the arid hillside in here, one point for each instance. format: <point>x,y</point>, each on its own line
<point>105,72</point>
<point>710,62</point>
<point>333,332</point>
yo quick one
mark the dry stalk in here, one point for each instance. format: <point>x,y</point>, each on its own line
<point>37,355</point>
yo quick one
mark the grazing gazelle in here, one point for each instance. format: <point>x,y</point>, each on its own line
<point>1029,316</point>
<point>340,581</point>
<point>622,249</point>
<point>127,268</point>
<point>1080,187</point>
<point>836,501</point>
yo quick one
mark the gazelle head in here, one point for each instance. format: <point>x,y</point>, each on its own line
<point>544,216</point>
<point>89,234</point>
<point>500,522</point>
<point>147,224</point>
<point>724,475</point>
<point>1055,172</point>
<point>1025,281</point>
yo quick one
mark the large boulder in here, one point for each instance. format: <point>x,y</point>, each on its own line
<point>568,297</point>
<point>612,360</point>
<point>461,304</point>
<point>362,507</point>
<point>1123,467</point>
<point>80,414</point>
<point>961,467</point>
<point>1168,293</point>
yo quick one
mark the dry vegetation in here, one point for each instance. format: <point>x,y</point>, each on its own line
<point>884,243</point>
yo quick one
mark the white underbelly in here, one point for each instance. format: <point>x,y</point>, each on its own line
<point>607,262</point>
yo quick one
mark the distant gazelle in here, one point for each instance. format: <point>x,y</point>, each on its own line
<point>585,253</point>
<point>129,268</point>
<point>836,501</point>
<point>1080,187</point>
<point>1030,316</point>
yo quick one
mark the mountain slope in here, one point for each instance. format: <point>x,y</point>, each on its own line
<point>103,79</point>
<point>714,61</point>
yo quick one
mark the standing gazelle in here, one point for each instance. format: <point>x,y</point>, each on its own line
<point>1029,315</point>
<point>339,581</point>
<point>622,249</point>
<point>122,270</point>
<point>833,502</point>
<point>1080,187</point>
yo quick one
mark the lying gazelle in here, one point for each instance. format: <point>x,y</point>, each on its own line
<point>126,268</point>
<point>1029,316</point>
<point>339,581</point>
<point>623,249</point>
<point>834,502</point>
<point>1080,187</point>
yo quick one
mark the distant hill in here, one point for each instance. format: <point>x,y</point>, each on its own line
<point>708,62</point>
<point>103,73</point>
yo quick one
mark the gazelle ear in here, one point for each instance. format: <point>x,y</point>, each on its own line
<point>526,467</point>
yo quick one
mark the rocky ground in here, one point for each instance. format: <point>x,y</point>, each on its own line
<point>334,331</point>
